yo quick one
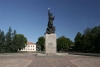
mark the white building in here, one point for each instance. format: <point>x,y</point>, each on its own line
<point>29,47</point>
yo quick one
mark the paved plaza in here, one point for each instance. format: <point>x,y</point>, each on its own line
<point>31,60</point>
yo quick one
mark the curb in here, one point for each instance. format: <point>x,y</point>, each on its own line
<point>85,54</point>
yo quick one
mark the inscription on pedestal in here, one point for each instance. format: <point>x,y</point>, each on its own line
<point>50,46</point>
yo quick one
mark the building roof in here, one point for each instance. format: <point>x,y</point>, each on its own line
<point>28,43</point>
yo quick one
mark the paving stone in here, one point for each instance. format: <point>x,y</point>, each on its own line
<point>32,60</point>
<point>14,62</point>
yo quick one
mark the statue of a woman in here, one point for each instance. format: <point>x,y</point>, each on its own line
<point>51,18</point>
<point>50,28</point>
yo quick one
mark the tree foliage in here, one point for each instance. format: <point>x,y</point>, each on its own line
<point>41,42</point>
<point>2,41</point>
<point>8,41</point>
<point>78,41</point>
<point>89,41</point>
<point>11,42</point>
<point>63,43</point>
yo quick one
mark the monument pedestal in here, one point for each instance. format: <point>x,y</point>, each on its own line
<point>50,43</point>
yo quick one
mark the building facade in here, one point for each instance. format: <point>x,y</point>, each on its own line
<point>29,47</point>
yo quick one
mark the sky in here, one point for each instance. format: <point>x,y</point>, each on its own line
<point>30,17</point>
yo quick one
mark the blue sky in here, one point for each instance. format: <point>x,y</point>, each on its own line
<point>30,17</point>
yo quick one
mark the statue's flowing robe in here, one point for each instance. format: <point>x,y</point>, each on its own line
<point>50,22</point>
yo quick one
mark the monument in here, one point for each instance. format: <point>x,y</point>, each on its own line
<point>50,36</point>
<point>50,39</point>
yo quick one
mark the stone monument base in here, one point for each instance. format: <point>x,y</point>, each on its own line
<point>57,54</point>
<point>50,44</point>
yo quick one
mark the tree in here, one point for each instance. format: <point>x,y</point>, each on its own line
<point>87,30</point>
<point>89,41</point>
<point>96,38</point>
<point>13,34</point>
<point>19,41</point>
<point>78,41</point>
<point>41,42</point>
<point>63,43</point>
<point>8,41</point>
<point>14,46</point>
<point>2,41</point>
<point>11,42</point>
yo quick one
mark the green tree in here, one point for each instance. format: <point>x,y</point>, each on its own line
<point>11,42</point>
<point>14,43</point>
<point>63,43</point>
<point>2,41</point>
<point>72,46</point>
<point>87,30</point>
<point>41,42</point>
<point>8,41</point>
<point>89,41</point>
<point>96,38</point>
<point>77,41</point>
<point>19,41</point>
<point>13,34</point>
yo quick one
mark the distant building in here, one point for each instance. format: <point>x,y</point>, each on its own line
<point>29,47</point>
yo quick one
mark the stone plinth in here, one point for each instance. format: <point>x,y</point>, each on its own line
<point>50,44</point>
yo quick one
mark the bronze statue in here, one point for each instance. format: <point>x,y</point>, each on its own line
<point>51,28</point>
